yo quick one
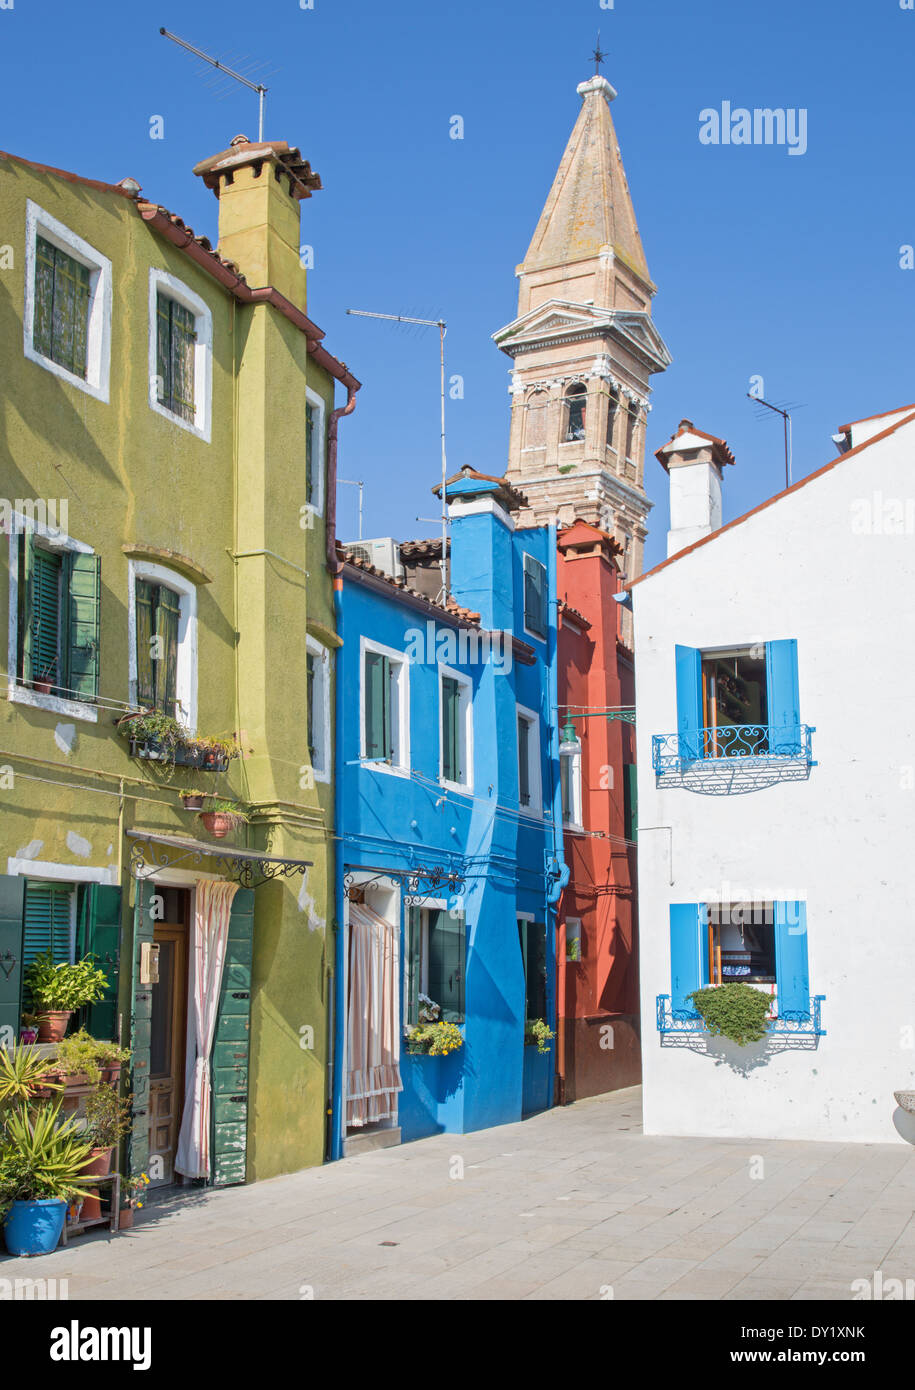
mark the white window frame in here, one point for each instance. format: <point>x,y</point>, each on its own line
<point>535,758</point>
<point>575,820</point>
<point>97,380</point>
<point>173,288</point>
<point>321,766</point>
<point>313,399</point>
<point>186,674</point>
<point>400,763</point>
<point>573,922</point>
<point>535,636</point>
<point>18,693</point>
<point>465,718</point>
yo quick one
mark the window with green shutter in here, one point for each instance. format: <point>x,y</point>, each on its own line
<point>379,737</point>
<point>158,615</point>
<point>312,456</point>
<point>62,293</point>
<point>310,702</point>
<point>434,962</point>
<point>524,760</point>
<point>59,619</point>
<point>176,345</point>
<point>452,731</point>
<point>48,922</point>
<point>535,602</point>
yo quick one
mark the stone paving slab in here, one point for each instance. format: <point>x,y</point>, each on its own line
<point>573,1204</point>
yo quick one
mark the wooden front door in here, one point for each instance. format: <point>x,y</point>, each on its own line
<point>168,1034</point>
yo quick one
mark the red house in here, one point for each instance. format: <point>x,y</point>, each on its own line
<point>597,1045</point>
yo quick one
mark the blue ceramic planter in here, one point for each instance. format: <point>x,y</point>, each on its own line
<point>33,1228</point>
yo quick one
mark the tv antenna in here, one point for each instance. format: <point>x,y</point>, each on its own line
<point>786,417</point>
<point>228,72</point>
<point>355,482</point>
<point>442,329</point>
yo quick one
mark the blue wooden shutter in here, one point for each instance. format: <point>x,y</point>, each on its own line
<point>101,939</point>
<point>783,699</point>
<point>231,1046</point>
<point>688,662</point>
<point>81,627</point>
<point>12,908</point>
<point>792,976</point>
<point>47,922</point>
<point>688,954</point>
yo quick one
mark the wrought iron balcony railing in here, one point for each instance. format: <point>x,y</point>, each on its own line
<point>761,743</point>
<point>791,1023</point>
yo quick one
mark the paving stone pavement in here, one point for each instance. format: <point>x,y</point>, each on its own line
<point>575,1203</point>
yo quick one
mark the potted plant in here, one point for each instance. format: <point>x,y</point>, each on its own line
<point>132,1189</point>
<point>24,1076</point>
<point>107,1123</point>
<point>536,1031</point>
<point>40,1173</point>
<point>434,1039</point>
<point>58,990</point>
<point>193,801</point>
<point>28,1031</point>
<point>84,1060</point>
<point>160,737</point>
<point>222,816</point>
<point>733,1011</point>
<point>44,683</point>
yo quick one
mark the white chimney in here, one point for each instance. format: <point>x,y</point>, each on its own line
<point>694,462</point>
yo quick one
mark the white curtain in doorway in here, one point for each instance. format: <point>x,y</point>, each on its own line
<point>372,1019</point>
<point>213,907</point>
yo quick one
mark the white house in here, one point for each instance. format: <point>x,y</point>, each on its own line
<point>775,712</point>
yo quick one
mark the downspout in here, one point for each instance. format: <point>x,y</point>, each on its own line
<point>554,891</point>
<point>336,855</point>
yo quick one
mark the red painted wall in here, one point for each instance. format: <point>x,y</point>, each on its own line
<point>598,1028</point>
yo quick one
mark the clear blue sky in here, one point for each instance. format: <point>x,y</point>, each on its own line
<point>766,263</point>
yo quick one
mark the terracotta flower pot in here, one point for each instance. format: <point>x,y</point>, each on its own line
<point>96,1167</point>
<point>125,1218</point>
<point>218,823</point>
<point>112,1075</point>
<point>43,687</point>
<point>193,802</point>
<point>52,1025</point>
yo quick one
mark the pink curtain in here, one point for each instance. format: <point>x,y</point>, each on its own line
<point>211,930</point>
<point>372,1019</point>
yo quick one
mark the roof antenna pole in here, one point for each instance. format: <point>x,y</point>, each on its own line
<point>229,72</point>
<point>442,329</point>
<point>787,422</point>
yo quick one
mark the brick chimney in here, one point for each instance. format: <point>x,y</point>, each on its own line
<point>259,186</point>
<point>695,463</point>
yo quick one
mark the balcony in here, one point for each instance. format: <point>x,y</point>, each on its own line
<point>677,1026</point>
<point>733,757</point>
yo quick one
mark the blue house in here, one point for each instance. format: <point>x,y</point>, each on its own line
<point>449,837</point>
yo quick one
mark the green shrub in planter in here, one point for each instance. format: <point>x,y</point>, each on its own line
<point>733,1011</point>
<point>63,987</point>
<point>536,1030</point>
<point>41,1157</point>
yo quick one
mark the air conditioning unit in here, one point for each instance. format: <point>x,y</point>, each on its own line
<point>384,554</point>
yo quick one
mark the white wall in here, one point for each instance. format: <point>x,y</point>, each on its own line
<point>695,504</point>
<point>805,567</point>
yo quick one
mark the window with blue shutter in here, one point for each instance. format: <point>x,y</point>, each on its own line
<point>689,962</point>
<point>688,662</point>
<point>783,699</point>
<point>535,598</point>
<point>792,975</point>
<point>738,703</point>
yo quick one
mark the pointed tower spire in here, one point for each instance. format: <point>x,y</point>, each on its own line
<point>583,344</point>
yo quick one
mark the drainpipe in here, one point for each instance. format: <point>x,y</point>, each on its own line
<point>554,892</point>
<point>339,1041</point>
<point>330,525</point>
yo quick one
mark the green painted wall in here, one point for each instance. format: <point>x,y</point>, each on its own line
<point>133,478</point>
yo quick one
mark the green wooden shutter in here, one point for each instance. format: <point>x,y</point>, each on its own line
<point>565,785</point>
<point>183,345</point>
<point>146,667</point>
<point>451,740</point>
<point>12,913</point>
<point>140,1030</point>
<point>60,328</point>
<point>524,763</point>
<point>446,963</point>
<point>163,352</point>
<point>25,655</point>
<point>43,322</point>
<point>100,926</point>
<point>310,702</point>
<point>47,922</point>
<point>168,614</point>
<point>229,1066</point>
<point>630,800</point>
<point>81,629</point>
<point>44,637</point>
<point>378,740</point>
<point>412,974</point>
<point>310,453</point>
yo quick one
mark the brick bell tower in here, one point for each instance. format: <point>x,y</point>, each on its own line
<point>584,346</point>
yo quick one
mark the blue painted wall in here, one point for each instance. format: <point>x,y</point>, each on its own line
<point>395,822</point>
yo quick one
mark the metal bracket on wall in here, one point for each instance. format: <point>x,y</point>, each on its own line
<point>150,852</point>
<point>417,885</point>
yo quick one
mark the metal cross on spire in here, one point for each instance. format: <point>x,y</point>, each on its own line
<point>598,56</point>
